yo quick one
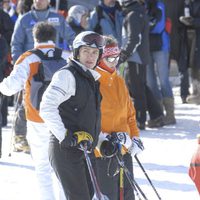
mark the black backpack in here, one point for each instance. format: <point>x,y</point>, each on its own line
<point>46,70</point>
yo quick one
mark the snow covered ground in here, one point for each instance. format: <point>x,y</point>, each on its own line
<point>166,159</point>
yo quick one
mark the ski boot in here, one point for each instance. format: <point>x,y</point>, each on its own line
<point>21,144</point>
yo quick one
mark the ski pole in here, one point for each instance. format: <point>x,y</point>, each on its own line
<point>140,164</point>
<point>1,101</point>
<point>97,193</point>
<point>121,183</point>
<point>13,119</point>
<point>57,5</point>
<point>133,183</point>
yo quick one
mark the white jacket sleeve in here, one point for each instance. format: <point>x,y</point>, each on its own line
<point>61,88</point>
<point>17,79</point>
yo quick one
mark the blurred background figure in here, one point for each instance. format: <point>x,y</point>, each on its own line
<point>10,8</point>
<point>6,30</point>
<point>179,46</point>
<point>60,6</point>
<point>3,57</point>
<point>107,19</point>
<point>78,18</point>
<point>23,6</point>
<point>158,69</point>
<point>191,19</point>
<point>194,170</point>
<point>135,51</point>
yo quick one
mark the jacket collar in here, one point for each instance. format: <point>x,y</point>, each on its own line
<point>94,73</point>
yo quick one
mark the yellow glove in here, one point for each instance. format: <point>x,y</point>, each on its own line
<point>83,138</point>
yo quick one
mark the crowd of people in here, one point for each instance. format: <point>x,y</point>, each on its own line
<point>115,83</point>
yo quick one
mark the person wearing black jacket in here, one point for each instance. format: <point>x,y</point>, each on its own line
<point>6,30</point>
<point>6,26</point>
<point>192,21</point>
<point>3,56</point>
<point>179,48</point>
<point>135,50</point>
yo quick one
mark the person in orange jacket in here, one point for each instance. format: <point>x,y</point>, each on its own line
<point>194,170</point>
<point>118,122</point>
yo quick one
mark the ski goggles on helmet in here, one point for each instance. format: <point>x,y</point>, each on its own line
<point>112,59</point>
<point>94,39</point>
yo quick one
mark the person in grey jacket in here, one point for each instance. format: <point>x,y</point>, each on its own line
<point>107,19</point>
<point>22,38</point>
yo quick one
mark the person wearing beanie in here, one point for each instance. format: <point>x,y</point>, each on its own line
<point>117,121</point>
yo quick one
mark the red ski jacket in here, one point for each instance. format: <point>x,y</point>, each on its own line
<point>194,170</point>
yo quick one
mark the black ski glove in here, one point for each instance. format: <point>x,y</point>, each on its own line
<point>109,148</point>
<point>83,138</point>
<point>76,139</point>
<point>122,58</point>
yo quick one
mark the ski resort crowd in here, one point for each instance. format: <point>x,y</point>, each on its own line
<point>84,82</point>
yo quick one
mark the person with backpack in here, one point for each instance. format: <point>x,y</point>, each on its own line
<point>70,107</point>
<point>22,40</point>
<point>25,75</point>
<point>159,39</point>
<point>107,19</point>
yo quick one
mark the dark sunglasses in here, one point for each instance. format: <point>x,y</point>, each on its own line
<point>94,38</point>
<point>112,59</point>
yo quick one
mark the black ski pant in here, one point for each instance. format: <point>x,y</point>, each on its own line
<point>4,111</point>
<point>154,108</point>
<point>70,167</point>
<point>135,76</point>
<point>144,100</point>
<point>110,185</point>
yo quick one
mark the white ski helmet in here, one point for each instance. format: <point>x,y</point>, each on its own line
<point>76,12</point>
<point>126,3</point>
<point>90,39</point>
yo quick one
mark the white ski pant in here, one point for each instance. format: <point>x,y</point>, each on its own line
<point>48,184</point>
